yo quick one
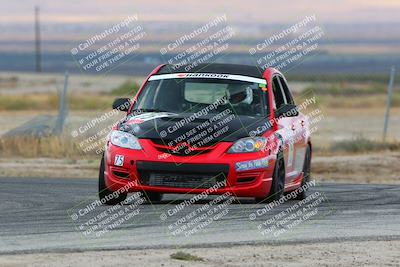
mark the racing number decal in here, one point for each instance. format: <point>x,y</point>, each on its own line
<point>290,154</point>
<point>119,160</point>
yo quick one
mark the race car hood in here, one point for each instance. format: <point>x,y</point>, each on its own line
<point>190,127</point>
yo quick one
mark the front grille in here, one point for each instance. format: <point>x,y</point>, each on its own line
<point>179,180</point>
<point>182,152</point>
<point>182,149</point>
<point>182,176</point>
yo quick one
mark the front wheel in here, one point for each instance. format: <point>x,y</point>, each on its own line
<point>152,196</point>
<point>106,196</point>
<point>278,181</point>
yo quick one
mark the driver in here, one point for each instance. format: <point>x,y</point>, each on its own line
<point>240,97</point>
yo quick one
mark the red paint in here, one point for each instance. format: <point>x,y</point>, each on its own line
<point>259,187</point>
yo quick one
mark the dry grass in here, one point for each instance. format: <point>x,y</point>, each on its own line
<point>76,101</point>
<point>50,102</point>
<point>354,94</point>
<point>30,147</point>
<point>29,102</point>
<point>358,145</point>
<point>358,102</point>
<point>183,256</point>
<point>128,88</point>
<point>363,145</point>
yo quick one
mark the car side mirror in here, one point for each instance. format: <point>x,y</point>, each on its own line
<point>121,104</point>
<point>287,110</point>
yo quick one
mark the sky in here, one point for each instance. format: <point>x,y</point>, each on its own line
<point>238,11</point>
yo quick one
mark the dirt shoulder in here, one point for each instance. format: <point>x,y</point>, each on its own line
<point>366,253</point>
<point>375,168</point>
<point>48,167</point>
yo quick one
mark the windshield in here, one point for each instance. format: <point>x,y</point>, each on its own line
<point>191,95</point>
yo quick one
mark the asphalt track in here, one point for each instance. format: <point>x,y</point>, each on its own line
<point>37,215</point>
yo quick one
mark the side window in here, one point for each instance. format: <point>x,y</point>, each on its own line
<point>278,96</point>
<point>288,95</point>
<point>147,96</point>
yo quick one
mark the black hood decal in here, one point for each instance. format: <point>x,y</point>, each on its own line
<point>206,130</point>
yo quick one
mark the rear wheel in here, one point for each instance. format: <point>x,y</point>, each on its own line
<point>278,181</point>
<point>306,174</point>
<point>106,196</point>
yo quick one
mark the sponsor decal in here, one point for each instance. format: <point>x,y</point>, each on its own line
<point>263,86</point>
<point>208,76</point>
<point>147,116</point>
<point>134,121</point>
<point>119,160</point>
<point>252,164</point>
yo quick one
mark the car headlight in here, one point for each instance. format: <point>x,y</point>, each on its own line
<point>124,139</point>
<point>248,144</point>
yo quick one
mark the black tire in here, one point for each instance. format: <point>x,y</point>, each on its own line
<point>106,196</point>
<point>152,196</point>
<point>278,181</point>
<point>307,173</point>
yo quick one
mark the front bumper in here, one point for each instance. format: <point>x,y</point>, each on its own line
<point>151,170</point>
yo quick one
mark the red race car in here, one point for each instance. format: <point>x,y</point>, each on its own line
<point>215,127</point>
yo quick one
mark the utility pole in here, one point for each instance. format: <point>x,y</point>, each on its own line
<point>37,40</point>
<point>389,101</point>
